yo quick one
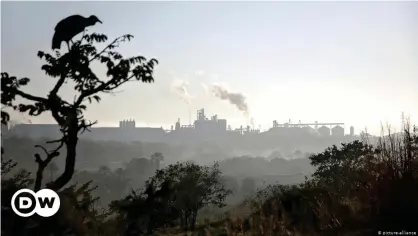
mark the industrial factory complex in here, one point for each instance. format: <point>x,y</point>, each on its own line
<point>203,129</point>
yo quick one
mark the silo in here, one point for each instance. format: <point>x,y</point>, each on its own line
<point>324,131</point>
<point>338,131</point>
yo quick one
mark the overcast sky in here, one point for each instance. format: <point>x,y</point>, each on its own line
<point>352,62</point>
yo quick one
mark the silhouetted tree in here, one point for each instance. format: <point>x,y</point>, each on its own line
<point>10,183</point>
<point>344,168</point>
<point>144,212</point>
<point>194,187</point>
<point>74,66</point>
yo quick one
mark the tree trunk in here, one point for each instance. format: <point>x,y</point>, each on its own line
<point>39,177</point>
<point>70,144</point>
<point>193,219</point>
<point>185,221</point>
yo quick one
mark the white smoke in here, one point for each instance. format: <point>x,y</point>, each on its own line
<point>237,99</point>
<point>180,88</point>
<point>205,88</point>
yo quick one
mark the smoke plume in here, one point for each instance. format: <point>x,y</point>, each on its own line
<point>236,99</point>
<point>180,88</point>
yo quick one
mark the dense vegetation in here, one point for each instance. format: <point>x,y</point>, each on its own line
<point>356,188</point>
<point>116,169</point>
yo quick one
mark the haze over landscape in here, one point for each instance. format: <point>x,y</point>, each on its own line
<point>214,119</point>
<point>353,63</point>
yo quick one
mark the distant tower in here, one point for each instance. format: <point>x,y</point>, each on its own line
<point>275,124</point>
<point>201,114</point>
<point>403,121</point>
<point>178,124</point>
<point>351,131</point>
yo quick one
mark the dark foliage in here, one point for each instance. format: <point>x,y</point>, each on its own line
<point>71,68</point>
<point>173,196</point>
<point>357,189</point>
<point>74,66</point>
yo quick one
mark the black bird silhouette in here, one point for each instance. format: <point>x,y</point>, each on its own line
<point>69,27</point>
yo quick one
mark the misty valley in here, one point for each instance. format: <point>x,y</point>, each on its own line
<point>73,162</point>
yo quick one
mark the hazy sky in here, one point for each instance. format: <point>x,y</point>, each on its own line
<point>353,62</point>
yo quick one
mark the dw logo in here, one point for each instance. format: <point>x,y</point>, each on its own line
<point>26,202</point>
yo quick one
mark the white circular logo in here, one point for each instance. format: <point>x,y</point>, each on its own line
<point>45,202</point>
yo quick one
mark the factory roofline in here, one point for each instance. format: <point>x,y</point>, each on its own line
<point>302,124</point>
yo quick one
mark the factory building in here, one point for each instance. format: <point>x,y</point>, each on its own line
<point>249,131</point>
<point>205,125</point>
<point>127,124</point>
<point>203,129</point>
<point>307,129</point>
<point>36,131</point>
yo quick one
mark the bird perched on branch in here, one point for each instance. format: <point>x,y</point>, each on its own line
<point>69,27</point>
